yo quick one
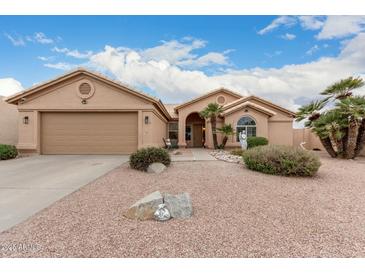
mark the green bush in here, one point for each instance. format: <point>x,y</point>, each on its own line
<point>141,159</point>
<point>282,160</point>
<point>8,152</point>
<point>256,141</point>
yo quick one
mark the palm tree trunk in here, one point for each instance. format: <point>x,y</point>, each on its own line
<point>224,141</point>
<point>327,144</point>
<point>360,138</point>
<point>349,153</point>
<point>213,121</point>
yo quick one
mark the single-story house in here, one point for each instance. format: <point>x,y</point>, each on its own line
<point>84,112</point>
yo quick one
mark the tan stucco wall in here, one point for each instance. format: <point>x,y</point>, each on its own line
<point>311,140</point>
<point>154,131</point>
<point>63,97</point>
<point>197,107</point>
<point>8,123</point>
<point>281,133</point>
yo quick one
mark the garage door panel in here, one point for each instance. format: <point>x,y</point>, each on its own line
<point>89,133</point>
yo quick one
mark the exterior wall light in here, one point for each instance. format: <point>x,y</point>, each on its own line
<point>25,120</point>
<point>146,120</point>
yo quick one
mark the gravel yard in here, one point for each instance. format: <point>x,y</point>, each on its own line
<point>237,213</point>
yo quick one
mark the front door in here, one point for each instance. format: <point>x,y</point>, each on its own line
<point>197,135</point>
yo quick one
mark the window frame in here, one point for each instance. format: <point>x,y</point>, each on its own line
<point>176,131</point>
<point>245,127</point>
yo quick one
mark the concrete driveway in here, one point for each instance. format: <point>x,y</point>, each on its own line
<point>28,185</point>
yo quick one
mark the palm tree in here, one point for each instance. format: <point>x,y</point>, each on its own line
<point>343,88</point>
<point>342,128</point>
<point>211,112</point>
<point>226,130</point>
<point>329,127</point>
<point>310,111</point>
<point>353,108</point>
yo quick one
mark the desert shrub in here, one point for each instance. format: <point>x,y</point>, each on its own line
<point>144,157</point>
<point>8,152</point>
<point>254,141</point>
<point>237,152</point>
<point>282,160</point>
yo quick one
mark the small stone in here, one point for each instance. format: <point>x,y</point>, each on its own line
<point>179,205</point>
<point>145,208</point>
<point>156,168</point>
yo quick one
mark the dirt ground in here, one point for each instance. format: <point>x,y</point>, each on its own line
<point>237,213</point>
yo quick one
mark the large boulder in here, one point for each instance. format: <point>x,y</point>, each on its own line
<point>156,168</point>
<point>179,205</point>
<point>145,208</point>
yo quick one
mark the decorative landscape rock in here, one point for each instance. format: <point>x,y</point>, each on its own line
<point>179,205</point>
<point>162,213</point>
<point>226,156</point>
<point>161,207</point>
<point>156,168</point>
<point>145,208</point>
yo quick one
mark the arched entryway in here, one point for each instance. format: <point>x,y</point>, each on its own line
<point>194,130</point>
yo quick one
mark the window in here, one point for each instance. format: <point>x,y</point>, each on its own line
<point>246,124</point>
<point>188,133</point>
<point>173,131</point>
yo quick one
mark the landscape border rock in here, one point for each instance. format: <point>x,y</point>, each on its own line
<point>145,208</point>
<point>156,168</point>
<point>179,206</point>
<point>226,156</point>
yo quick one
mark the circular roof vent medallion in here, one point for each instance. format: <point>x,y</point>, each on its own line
<point>221,100</point>
<point>85,89</point>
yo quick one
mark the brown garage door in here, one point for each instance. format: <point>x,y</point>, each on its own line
<point>89,133</point>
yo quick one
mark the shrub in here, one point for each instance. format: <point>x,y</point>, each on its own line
<point>141,159</point>
<point>256,141</point>
<point>282,160</point>
<point>7,152</point>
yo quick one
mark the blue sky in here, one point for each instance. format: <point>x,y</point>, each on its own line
<point>177,57</point>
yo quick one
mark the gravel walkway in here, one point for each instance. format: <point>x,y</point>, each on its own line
<point>237,213</point>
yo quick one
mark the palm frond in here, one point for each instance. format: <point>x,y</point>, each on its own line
<point>343,88</point>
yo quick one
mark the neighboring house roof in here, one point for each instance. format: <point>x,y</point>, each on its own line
<point>234,94</point>
<point>171,109</point>
<point>263,101</point>
<point>37,88</point>
<point>249,104</point>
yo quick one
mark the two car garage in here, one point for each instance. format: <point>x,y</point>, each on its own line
<point>89,132</point>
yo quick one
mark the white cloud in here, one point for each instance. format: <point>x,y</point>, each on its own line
<point>73,53</point>
<point>312,50</point>
<point>311,22</point>
<point>45,58</point>
<point>341,26</point>
<point>41,38</point>
<point>330,27</point>
<point>288,36</point>
<point>38,37</point>
<point>60,66</point>
<point>16,41</point>
<point>286,21</point>
<point>208,59</point>
<point>9,86</point>
<point>285,86</point>
<point>173,51</point>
